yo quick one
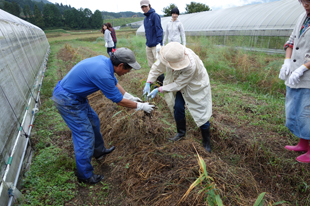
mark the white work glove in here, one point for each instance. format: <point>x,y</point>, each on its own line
<point>132,98</point>
<point>145,107</point>
<point>295,76</point>
<point>158,47</point>
<point>147,89</point>
<point>285,69</point>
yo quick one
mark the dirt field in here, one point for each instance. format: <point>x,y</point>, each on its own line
<point>147,169</point>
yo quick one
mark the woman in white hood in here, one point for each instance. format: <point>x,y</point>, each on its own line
<point>174,29</point>
<point>186,84</point>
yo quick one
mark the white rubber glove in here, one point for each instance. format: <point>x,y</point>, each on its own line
<point>285,69</point>
<point>153,93</point>
<point>147,88</point>
<point>145,107</point>
<point>295,76</point>
<point>158,47</point>
<point>132,98</point>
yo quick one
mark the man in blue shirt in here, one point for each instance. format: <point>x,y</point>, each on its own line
<point>70,98</point>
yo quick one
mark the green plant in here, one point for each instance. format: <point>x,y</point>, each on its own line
<point>207,183</point>
<point>260,200</point>
<point>50,178</point>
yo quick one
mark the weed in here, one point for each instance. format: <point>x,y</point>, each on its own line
<point>50,178</point>
<point>209,187</point>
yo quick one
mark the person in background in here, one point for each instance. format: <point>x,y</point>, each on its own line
<point>153,31</point>
<point>186,83</point>
<point>70,98</point>
<point>107,38</point>
<point>174,29</point>
<point>295,72</point>
<point>111,29</point>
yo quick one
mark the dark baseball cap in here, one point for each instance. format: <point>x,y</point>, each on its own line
<point>125,55</point>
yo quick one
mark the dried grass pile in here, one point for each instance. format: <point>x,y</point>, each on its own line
<point>154,171</point>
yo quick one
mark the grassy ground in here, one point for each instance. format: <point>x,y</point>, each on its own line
<point>90,35</point>
<point>248,137</point>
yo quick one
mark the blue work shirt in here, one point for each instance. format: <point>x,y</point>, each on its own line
<point>90,75</point>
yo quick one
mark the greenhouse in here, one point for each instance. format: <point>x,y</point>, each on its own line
<point>23,58</point>
<point>265,25</point>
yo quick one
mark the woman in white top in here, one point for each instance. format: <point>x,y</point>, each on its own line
<point>174,29</point>
<point>186,83</point>
<point>108,38</point>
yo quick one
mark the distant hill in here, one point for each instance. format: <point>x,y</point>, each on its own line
<point>124,14</point>
<point>44,1</point>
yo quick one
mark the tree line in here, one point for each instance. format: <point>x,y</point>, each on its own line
<point>193,7</point>
<point>46,15</point>
<point>49,16</point>
<point>123,14</point>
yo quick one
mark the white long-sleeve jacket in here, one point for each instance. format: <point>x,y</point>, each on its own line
<point>300,49</point>
<point>108,39</point>
<point>194,84</point>
<point>173,31</point>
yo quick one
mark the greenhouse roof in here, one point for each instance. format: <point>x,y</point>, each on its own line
<point>279,15</point>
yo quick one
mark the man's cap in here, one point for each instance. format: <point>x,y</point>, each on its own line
<point>144,3</point>
<point>125,55</point>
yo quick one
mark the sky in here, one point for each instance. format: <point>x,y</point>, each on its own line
<point>158,5</point>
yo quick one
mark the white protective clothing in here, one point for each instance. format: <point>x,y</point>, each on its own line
<point>108,39</point>
<point>145,107</point>
<point>194,84</point>
<point>285,69</point>
<point>131,98</point>
<point>173,31</point>
<point>295,76</point>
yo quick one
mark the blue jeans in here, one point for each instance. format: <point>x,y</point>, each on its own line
<point>114,45</point>
<point>297,110</point>
<point>85,126</point>
<point>179,110</point>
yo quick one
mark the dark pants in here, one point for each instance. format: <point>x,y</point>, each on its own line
<point>179,110</point>
<point>114,45</point>
<point>109,50</point>
<point>85,126</point>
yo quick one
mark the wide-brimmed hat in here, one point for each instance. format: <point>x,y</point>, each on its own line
<point>173,55</point>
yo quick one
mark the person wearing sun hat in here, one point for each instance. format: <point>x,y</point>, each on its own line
<point>186,83</point>
<point>70,98</point>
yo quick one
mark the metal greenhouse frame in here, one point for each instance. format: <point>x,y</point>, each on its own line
<point>23,57</point>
